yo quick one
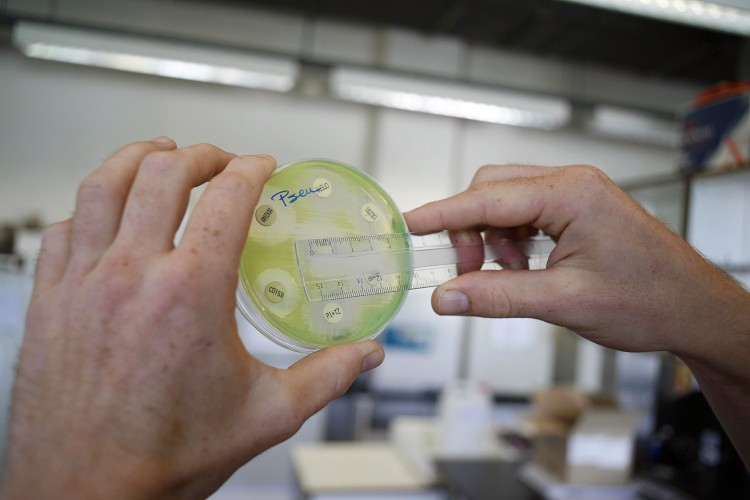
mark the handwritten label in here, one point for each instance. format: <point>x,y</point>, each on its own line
<point>287,197</point>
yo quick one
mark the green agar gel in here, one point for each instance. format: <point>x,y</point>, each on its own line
<point>314,199</point>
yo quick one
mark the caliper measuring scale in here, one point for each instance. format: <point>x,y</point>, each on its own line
<point>356,266</point>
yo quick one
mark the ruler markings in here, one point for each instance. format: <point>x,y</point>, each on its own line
<point>334,268</point>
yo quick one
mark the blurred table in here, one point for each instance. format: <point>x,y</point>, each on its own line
<point>358,470</point>
<point>484,480</point>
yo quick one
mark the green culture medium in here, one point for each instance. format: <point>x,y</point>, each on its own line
<point>314,199</point>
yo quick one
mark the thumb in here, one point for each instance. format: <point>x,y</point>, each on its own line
<point>504,294</point>
<point>317,379</point>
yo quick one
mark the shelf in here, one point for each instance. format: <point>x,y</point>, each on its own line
<point>735,268</point>
<point>717,173</point>
<point>654,181</point>
<point>679,177</point>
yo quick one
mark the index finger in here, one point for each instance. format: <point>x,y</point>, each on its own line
<point>536,201</point>
<point>217,229</point>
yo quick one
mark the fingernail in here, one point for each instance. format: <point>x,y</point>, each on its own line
<point>162,138</point>
<point>453,302</point>
<point>372,360</point>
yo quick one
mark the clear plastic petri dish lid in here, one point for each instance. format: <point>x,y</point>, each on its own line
<point>314,198</point>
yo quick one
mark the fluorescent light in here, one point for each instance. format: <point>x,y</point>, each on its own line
<point>632,125</point>
<point>710,15</point>
<point>154,57</point>
<point>456,100</point>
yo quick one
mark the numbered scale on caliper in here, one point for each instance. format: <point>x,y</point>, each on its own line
<point>357,266</point>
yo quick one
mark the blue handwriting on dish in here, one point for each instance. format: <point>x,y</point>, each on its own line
<point>287,198</point>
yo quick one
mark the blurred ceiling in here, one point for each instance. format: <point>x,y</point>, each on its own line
<point>551,29</point>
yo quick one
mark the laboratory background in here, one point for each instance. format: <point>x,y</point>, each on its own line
<point>418,94</point>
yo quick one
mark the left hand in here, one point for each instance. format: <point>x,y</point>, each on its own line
<point>132,380</point>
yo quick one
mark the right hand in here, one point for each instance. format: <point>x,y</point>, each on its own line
<point>618,276</point>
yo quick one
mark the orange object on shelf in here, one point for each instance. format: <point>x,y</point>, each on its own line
<point>720,91</point>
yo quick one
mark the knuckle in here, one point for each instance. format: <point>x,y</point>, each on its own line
<point>234,184</point>
<point>485,197</point>
<point>114,295</point>
<point>594,184</point>
<point>140,147</point>
<point>173,308</point>
<point>160,294</point>
<point>55,229</point>
<point>234,180</point>
<point>291,413</point>
<point>483,173</point>
<point>207,148</point>
<point>55,233</point>
<point>588,173</point>
<point>269,160</point>
<point>173,292</point>
<point>501,305</point>
<point>288,425</point>
<point>97,187</point>
<point>160,162</point>
<point>343,378</point>
<point>479,187</point>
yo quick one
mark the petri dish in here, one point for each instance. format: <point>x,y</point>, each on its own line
<point>314,198</point>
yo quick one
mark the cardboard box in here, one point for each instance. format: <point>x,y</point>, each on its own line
<point>715,129</point>
<point>561,404</point>
<point>582,440</point>
<point>601,448</point>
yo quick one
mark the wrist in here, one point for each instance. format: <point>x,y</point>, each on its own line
<point>716,336</point>
<point>52,466</point>
<point>721,368</point>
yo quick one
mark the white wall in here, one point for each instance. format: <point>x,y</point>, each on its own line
<point>57,122</point>
<point>485,143</point>
<point>719,219</point>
